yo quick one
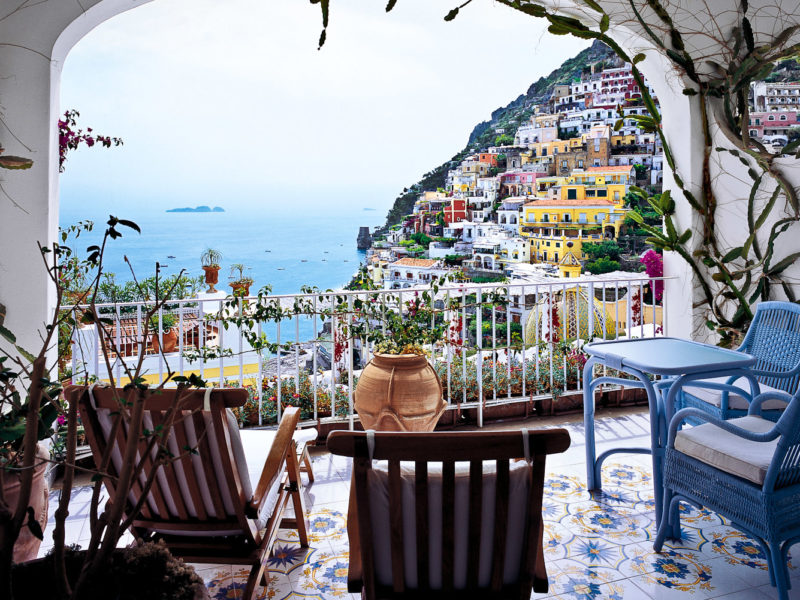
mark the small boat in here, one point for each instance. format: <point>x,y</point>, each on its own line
<point>303,260</point>
<point>267,250</point>
<point>281,269</point>
<point>170,256</point>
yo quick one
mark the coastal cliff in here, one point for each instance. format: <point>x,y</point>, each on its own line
<point>507,118</point>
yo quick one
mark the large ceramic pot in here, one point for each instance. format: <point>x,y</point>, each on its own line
<point>399,393</point>
<point>170,341</point>
<point>212,278</point>
<point>27,546</point>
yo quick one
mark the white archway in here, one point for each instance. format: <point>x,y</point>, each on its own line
<point>35,42</point>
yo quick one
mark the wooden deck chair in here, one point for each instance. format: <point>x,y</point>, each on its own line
<point>214,505</point>
<point>470,523</point>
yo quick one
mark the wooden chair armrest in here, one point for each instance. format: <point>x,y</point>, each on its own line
<point>282,449</point>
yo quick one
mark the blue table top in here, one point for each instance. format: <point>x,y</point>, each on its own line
<point>667,356</point>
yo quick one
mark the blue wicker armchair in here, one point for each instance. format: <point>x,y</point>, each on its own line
<point>746,469</point>
<point>774,339</point>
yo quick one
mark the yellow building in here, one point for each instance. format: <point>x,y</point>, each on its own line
<point>588,206</point>
<point>623,140</point>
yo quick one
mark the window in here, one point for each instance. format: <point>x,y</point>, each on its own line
<point>580,163</point>
<point>582,218</point>
<point>558,244</point>
<point>567,218</point>
<point>783,117</point>
<point>572,194</point>
<point>563,164</point>
<point>616,195</point>
<point>555,257</point>
<point>772,117</point>
<point>602,193</point>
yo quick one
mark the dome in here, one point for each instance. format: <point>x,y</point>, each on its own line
<point>575,302</point>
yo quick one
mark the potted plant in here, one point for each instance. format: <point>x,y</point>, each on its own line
<point>29,404</point>
<point>399,390</point>
<point>210,259</point>
<point>239,282</point>
<point>166,331</point>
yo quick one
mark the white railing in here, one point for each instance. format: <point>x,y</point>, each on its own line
<point>530,348</point>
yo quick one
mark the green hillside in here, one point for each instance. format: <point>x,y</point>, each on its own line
<point>509,117</point>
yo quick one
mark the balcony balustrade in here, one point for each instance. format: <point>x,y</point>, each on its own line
<point>503,365</point>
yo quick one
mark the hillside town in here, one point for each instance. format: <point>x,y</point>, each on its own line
<point>550,199</point>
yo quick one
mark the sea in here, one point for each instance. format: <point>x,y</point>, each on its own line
<point>285,246</point>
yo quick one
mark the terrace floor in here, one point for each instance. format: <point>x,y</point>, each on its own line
<point>595,547</point>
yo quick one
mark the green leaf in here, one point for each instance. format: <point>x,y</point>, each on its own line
<point>689,92</point>
<point>747,31</point>
<point>451,15</point>
<point>604,23</point>
<point>639,58</point>
<point>33,524</point>
<point>635,216</point>
<point>390,5</point>
<point>7,335</point>
<point>732,255</point>
<point>685,236</point>
<point>784,264</point>
<point>593,5</point>
<point>130,224</point>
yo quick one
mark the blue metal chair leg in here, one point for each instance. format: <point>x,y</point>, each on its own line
<point>665,526</point>
<point>779,571</point>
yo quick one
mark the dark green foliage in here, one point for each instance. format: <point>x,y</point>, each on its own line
<point>602,265</point>
<point>421,239</point>
<point>608,249</point>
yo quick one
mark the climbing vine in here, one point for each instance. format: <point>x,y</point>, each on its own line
<point>718,54</point>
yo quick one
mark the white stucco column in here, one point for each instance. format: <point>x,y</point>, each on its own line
<point>35,42</point>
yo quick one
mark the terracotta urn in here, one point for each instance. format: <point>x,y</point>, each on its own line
<point>212,278</point>
<point>170,341</point>
<point>399,392</point>
<point>27,545</point>
<point>240,289</point>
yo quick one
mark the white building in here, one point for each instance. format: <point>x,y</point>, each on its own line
<point>410,272</point>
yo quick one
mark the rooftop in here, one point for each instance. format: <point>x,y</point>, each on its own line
<point>416,262</point>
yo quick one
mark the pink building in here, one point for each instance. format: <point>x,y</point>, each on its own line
<point>772,123</point>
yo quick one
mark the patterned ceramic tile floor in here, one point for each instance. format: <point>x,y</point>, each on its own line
<point>596,546</point>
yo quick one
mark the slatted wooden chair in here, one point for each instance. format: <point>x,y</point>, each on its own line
<point>470,526</point>
<point>213,505</point>
<point>774,339</point>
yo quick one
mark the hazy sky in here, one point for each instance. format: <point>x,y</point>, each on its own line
<point>225,101</point>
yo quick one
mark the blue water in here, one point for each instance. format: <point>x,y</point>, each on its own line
<point>273,241</point>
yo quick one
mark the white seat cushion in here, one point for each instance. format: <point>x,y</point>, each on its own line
<point>381,534</point>
<point>305,436</point>
<point>735,401</point>
<point>256,444</point>
<point>729,452</point>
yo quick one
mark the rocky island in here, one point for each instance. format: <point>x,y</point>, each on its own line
<point>202,209</point>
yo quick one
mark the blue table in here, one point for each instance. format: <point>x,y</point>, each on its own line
<point>677,362</point>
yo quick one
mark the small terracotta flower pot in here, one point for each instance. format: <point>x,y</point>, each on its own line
<point>212,278</point>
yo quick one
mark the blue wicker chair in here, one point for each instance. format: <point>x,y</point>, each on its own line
<point>746,469</point>
<point>774,339</point>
